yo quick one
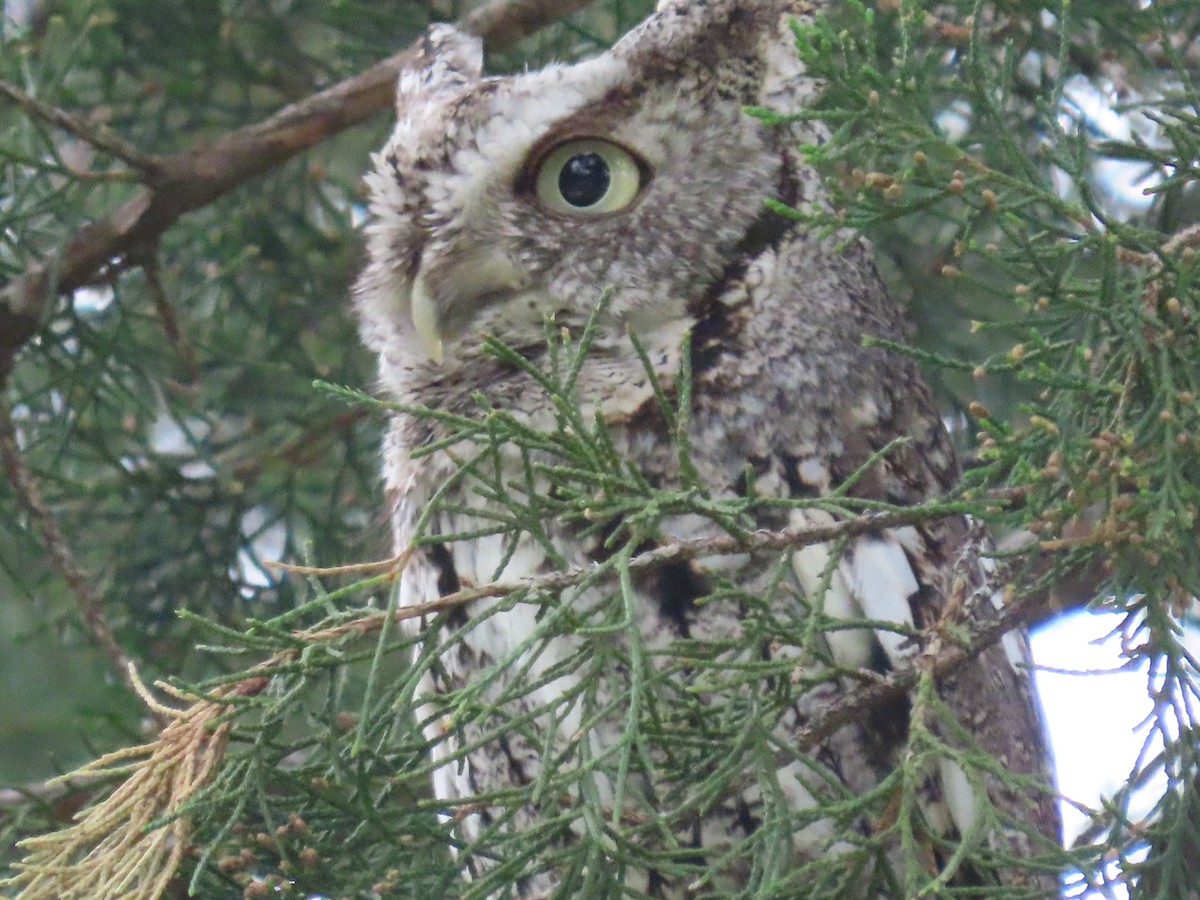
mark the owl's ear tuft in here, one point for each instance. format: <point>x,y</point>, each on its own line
<point>448,59</point>
<point>738,46</point>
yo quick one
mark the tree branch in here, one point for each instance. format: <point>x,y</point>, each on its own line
<point>945,658</point>
<point>942,656</point>
<point>97,135</point>
<point>88,601</point>
<point>171,325</point>
<point>194,178</point>
<point>676,551</point>
<point>1076,589</point>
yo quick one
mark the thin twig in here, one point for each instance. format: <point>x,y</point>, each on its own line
<point>166,315</point>
<point>396,562</point>
<point>853,705</point>
<point>1018,612</point>
<point>869,694</point>
<point>675,551</point>
<point>786,538</point>
<point>196,177</point>
<point>96,135</point>
<point>87,600</point>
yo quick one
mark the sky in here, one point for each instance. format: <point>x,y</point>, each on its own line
<point>1091,712</point>
<point>1096,713</point>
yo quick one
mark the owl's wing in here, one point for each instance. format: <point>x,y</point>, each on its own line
<point>938,579</point>
<point>787,384</point>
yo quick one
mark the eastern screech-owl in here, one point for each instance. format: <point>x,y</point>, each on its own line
<point>500,204</point>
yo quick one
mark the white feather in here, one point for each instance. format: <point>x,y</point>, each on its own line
<point>850,647</point>
<point>958,794</point>
<point>874,580</point>
<point>882,582</point>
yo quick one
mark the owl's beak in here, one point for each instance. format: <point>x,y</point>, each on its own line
<point>425,322</point>
<point>444,301</point>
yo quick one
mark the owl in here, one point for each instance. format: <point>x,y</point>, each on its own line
<point>598,740</point>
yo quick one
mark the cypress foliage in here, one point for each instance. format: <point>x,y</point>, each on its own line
<point>174,422</point>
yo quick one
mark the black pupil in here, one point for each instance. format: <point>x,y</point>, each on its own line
<point>584,179</point>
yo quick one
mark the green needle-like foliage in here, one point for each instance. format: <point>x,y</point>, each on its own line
<point>967,121</point>
<point>167,417</point>
<point>314,770</point>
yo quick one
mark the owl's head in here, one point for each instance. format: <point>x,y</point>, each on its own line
<point>499,202</point>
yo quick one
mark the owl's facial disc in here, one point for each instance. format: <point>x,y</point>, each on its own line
<point>579,177</point>
<point>443,301</point>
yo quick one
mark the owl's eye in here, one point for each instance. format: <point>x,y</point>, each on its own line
<point>588,177</point>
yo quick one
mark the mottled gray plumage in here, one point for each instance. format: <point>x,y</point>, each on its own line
<point>463,243</point>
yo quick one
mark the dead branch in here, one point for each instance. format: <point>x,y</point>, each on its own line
<point>120,847</point>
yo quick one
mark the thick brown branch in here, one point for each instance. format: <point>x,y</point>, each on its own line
<point>196,177</point>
